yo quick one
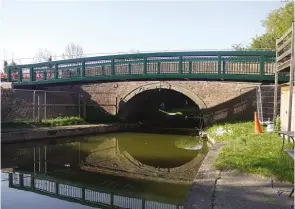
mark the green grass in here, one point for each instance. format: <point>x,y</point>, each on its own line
<point>258,154</point>
<point>59,121</point>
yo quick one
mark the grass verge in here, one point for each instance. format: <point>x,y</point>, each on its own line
<point>60,121</point>
<point>252,153</point>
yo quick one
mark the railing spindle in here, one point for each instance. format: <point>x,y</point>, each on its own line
<point>180,65</point>
<point>20,75</point>
<point>262,63</point>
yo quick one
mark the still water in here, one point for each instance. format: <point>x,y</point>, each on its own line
<point>121,170</point>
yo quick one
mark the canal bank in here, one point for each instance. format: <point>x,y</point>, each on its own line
<point>22,135</point>
<point>228,188</point>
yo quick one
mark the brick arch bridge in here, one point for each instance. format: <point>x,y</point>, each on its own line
<point>220,100</point>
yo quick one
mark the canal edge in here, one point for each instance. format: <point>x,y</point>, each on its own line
<point>202,193</point>
<point>62,131</point>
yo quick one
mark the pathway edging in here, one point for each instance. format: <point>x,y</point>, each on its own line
<point>202,192</point>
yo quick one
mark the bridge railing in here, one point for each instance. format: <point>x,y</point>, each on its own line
<point>249,65</point>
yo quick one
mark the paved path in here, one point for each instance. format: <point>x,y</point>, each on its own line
<point>237,190</point>
<point>213,189</point>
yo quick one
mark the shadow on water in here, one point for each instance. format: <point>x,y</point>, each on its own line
<point>151,167</point>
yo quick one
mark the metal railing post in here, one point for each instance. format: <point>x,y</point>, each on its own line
<point>56,72</point>
<point>32,74</point>
<point>39,159</point>
<point>38,108</point>
<point>20,75</point>
<point>8,74</point>
<point>219,65</point>
<point>45,105</point>
<point>180,65</point>
<point>262,63</point>
<point>34,150</point>
<point>112,67</point>
<point>45,158</point>
<point>34,103</point>
<point>10,179</point>
<point>79,104</point>
<point>144,65</point>
<point>83,70</point>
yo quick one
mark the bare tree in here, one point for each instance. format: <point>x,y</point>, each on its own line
<point>239,47</point>
<point>73,51</point>
<point>5,63</point>
<point>43,55</point>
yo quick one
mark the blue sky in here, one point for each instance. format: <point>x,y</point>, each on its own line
<point>109,27</point>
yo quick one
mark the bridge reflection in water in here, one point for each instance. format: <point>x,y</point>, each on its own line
<point>82,195</point>
<point>115,171</point>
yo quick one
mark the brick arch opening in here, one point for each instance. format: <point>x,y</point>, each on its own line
<point>134,103</point>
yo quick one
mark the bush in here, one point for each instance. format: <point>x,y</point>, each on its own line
<point>66,121</point>
<point>277,124</point>
<point>59,121</point>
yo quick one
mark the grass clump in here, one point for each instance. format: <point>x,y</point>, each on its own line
<point>59,121</point>
<point>64,121</point>
<point>252,153</point>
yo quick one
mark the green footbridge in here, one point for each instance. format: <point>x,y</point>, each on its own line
<point>251,66</point>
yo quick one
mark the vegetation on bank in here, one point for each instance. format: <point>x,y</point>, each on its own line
<point>59,121</point>
<point>252,153</point>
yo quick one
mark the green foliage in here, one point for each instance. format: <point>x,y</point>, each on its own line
<point>276,24</point>
<point>59,121</point>
<point>253,153</point>
<point>280,20</point>
<point>277,124</point>
<point>265,41</point>
<point>64,121</point>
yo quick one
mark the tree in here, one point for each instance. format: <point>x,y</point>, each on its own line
<point>43,55</point>
<point>276,24</point>
<point>13,63</point>
<point>5,63</point>
<point>239,47</point>
<point>73,51</point>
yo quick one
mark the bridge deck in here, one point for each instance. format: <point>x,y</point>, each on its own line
<point>216,65</point>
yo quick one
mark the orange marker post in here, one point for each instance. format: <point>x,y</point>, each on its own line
<point>257,126</point>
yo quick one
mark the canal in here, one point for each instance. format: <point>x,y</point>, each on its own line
<point>118,170</point>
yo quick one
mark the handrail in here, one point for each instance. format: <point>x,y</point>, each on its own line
<point>284,36</point>
<point>156,54</point>
<point>284,49</point>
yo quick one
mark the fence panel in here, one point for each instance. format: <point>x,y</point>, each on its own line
<point>34,105</point>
